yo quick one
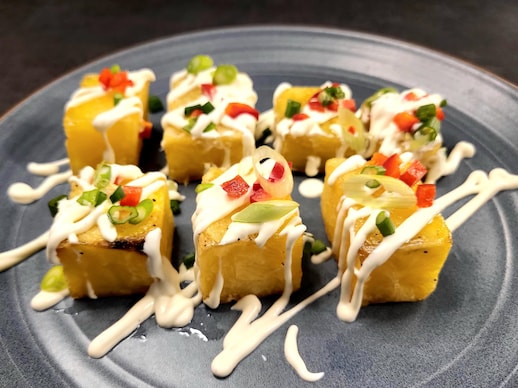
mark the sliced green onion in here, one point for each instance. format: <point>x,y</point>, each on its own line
<point>144,209</point>
<point>53,204</point>
<point>224,75</point>
<point>292,108</point>
<point>117,97</point>
<point>203,186</point>
<point>102,176</point>
<point>155,104</point>
<point>117,195</point>
<point>207,107</point>
<point>373,170</point>
<point>325,98</point>
<point>189,109</point>
<point>175,206</point>
<point>115,68</point>
<point>54,280</point>
<point>92,198</point>
<point>188,260</point>
<point>199,63</point>
<point>259,212</point>
<point>385,224</point>
<point>191,122</point>
<point>368,102</point>
<point>443,103</point>
<point>121,214</point>
<point>317,247</point>
<point>335,92</point>
<point>210,127</point>
<point>430,129</point>
<point>426,112</point>
<point>373,184</point>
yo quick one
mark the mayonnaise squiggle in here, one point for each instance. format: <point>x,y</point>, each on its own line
<point>477,183</point>
<point>172,306</point>
<point>291,351</point>
<point>14,256</point>
<point>24,194</point>
<point>46,169</point>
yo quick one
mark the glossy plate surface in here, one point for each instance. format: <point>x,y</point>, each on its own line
<point>464,334</point>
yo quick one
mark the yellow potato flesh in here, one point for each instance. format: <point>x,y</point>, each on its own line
<point>85,145</point>
<point>412,272</point>
<point>96,267</point>
<point>296,149</point>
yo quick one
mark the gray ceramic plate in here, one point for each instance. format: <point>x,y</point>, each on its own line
<point>464,334</point>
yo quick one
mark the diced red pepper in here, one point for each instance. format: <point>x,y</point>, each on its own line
<point>132,195</point>
<point>349,104</point>
<point>405,121</point>
<point>146,130</point>
<point>391,166</point>
<point>411,96</point>
<point>117,81</point>
<point>104,77</point>
<point>195,113</point>
<point>439,113</point>
<point>414,173</point>
<point>333,105</point>
<point>351,130</point>
<point>235,109</point>
<point>425,194</point>
<point>299,117</point>
<point>314,104</point>
<point>236,187</point>
<point>378,159</point>
<point>208,90</point>
<point>258,193</point>
<point>277,172</point>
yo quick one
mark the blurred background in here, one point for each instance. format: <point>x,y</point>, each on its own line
<point>43,39</point>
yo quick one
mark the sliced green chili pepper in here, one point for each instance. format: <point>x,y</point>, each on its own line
<point>188,260</point>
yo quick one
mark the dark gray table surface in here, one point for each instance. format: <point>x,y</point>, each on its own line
<point>43,39</point>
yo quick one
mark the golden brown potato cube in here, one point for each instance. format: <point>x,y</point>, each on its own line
<point>94,267</point>
<point>245,267</point>
<point>412,272</point>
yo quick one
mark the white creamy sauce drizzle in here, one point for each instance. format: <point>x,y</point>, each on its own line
<point>291,352</point>
<point>14,256</point>
<point>172,306</point>
<point>82,95</point>
<point>322,256</point>
<point>46,169</point>
<point>382,127</point>
<point>351,299</point>
<point>311,187</point>
<point>442,165</point>
<point>105,120</point>
<point>44,300</point>
<point>312,165</point>
<point>22,193</point>
<point>240,90</point>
